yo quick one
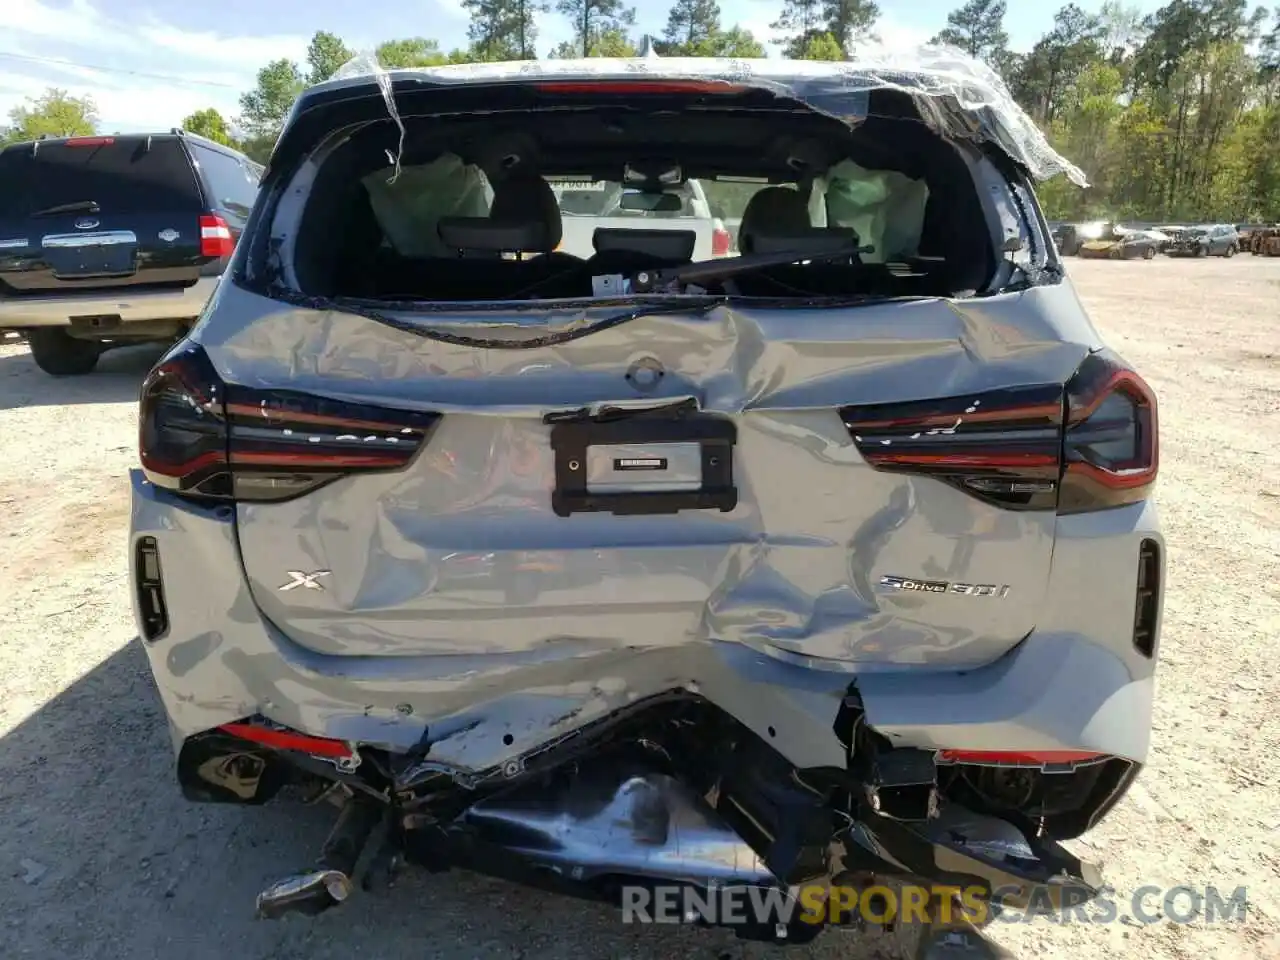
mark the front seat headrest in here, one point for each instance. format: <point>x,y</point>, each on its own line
<point>527,197</point>
<point>772,210</point>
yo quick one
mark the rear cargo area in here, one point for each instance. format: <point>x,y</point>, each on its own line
<point>98,213</point>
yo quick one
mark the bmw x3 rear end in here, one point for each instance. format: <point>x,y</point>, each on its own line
<point>836,558</point>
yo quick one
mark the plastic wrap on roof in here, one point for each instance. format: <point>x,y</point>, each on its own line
<point>956,94</point>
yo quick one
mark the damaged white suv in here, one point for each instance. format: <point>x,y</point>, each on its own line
<point>833,558</point>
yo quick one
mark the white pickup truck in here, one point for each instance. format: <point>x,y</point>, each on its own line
<point>586,205</point>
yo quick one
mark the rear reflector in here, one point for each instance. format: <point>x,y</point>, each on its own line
<point>288,740</point>
<point>1147,602</point>
<point>215,237</point>
<point>1021,758</point>
<point>90,141</point>
<point>150,589</point>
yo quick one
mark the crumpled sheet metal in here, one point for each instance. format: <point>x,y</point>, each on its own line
<point>414,554</point>
<point>958,95</point>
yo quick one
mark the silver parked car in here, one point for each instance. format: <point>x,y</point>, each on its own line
<point>836,557</point>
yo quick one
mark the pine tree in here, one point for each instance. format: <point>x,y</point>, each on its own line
<point>597,21</point>
<point>503,29</point>
<point>691,22</point>
<point>977,28</point>
<point>800,21</point>
<point>850,20</point>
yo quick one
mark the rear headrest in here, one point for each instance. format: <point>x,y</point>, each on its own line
<point>774,210</point>
<point>526,197</point>
<point>524,216</point>
<point>813,241</point>
<point>667,246</point>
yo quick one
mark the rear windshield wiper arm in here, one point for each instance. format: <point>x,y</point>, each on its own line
<point>79,206</point>
<point>647,281</point>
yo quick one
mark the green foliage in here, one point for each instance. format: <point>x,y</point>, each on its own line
<point>821,46</point>
<point>503,29</point>
<point>1173,115</point>
<point>54,113</point>
<point>977,28</point>
<point>849,21</point>
<point>325,55</point>
<point>210,124</point>
<point>599,27</point>
<point>264,108</point>
<point>412,52</point>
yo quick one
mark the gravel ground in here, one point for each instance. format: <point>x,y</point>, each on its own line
<point>100,857</point>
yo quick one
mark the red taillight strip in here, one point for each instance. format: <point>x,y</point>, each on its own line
<point>638,86</point>
<point>287,740</point>
<point>1021,758</point>
<point>959,460</point>
<point>1046,411</point>
<point>89,142</point>
<point>1002,446</point>
<point>268,414</point>
<point>337,461</point>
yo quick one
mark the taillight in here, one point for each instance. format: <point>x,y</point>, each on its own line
<point>89,142</point>
<point>1111,450</point>
<point>720,242</point>
<point>215,237</point>
<point>1090,445</point>
<point>639,86</point>
<point>203,438</point>
<point>1038,759</point>
<point>1003,446</point>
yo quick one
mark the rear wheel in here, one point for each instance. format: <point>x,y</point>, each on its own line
<point>1148,253</point>
<point>58,353</point>
<point>1202,251</point>
<point>1230,252</point>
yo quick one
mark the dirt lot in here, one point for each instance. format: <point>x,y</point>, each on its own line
<point>99,856</point>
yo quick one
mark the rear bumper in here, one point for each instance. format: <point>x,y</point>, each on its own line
<point>129,306</point>
<point>1076,683</point>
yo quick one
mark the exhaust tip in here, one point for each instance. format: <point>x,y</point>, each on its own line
<point>307,893</point>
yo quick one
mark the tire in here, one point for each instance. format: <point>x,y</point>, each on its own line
<point>1149,253</point>
<point>59,354</point>
<point>1229,252</point>
<point>1202,251</point>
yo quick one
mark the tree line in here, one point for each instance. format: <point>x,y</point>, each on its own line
<point>1174,115</point>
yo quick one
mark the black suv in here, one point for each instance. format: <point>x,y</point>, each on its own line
<point>107,240</point>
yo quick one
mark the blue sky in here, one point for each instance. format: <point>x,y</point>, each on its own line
<point>149,63</point>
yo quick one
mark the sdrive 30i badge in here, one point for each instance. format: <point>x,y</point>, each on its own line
<point>944,586</point>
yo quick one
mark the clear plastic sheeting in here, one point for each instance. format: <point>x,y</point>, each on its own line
<point>366,65</point>
<point>957,95</point>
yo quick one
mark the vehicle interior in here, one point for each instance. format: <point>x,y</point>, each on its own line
<point>471,214</point>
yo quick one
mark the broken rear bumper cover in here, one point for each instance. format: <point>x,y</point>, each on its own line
<point>478,721</point>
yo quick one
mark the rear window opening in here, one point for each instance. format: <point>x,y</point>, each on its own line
<point>543,204</point>
<point>117,175</point>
